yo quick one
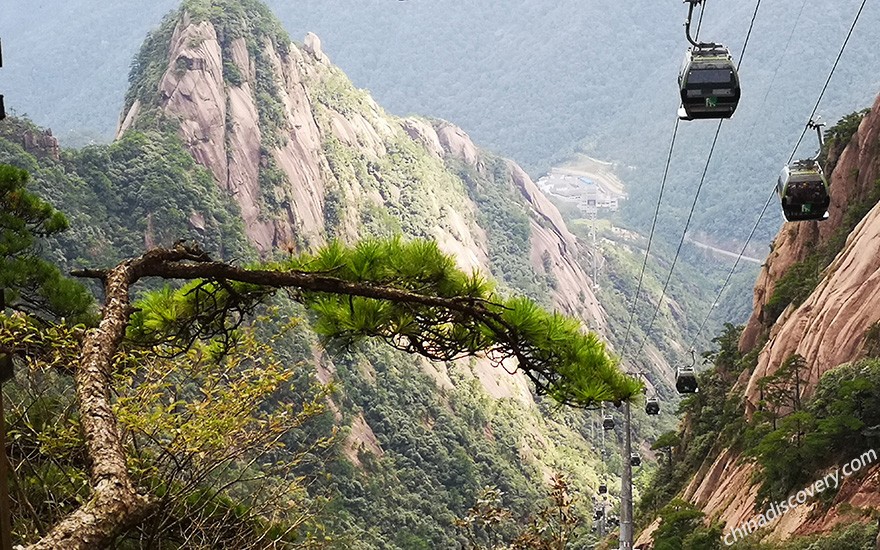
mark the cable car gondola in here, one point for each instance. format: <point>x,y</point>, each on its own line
<point>635,459</point>
<point>608,422</point>
<point>686,380</point>
<point>603,488</point>
<point>652,406</point>
<point>803,189</point>
<point>708,79</point>
<point>708,83</point>
<point>614,521</point>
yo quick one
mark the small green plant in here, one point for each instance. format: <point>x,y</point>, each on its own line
<point>871,345</point>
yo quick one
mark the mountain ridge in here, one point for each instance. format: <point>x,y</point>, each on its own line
<point>826,322</point>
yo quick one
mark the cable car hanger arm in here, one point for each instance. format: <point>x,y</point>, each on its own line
<point>687,26</point>
<point>817,124</point>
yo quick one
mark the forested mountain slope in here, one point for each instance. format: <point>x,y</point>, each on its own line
<point>798,398</point>
<point>256,147</point>
<point>529,81</point>
<point>307,156</point>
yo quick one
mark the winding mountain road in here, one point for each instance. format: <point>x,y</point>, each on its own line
<point>723,252</point>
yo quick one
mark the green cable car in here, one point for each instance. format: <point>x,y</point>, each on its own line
<point>708,82</point>
<point>803,191</point>
<point>803,188</point>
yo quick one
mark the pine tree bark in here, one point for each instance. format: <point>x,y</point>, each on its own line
<point>115,503</point>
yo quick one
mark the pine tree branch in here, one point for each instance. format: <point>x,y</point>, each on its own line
<point>115,504</point>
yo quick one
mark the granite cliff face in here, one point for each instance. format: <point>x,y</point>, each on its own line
<point>828,330</point>
<point>320,157</point>
<point>307,156</point>
<point>854,177</point>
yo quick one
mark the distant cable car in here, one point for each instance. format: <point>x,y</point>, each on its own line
<point>652,406</point>
<point>614,521</point>
<point>686,380</point>
<point>598,513</point>
<point>608,422</point>
<point>708,79</point>
<point>603,488</point>
<point>803,189</point>
<point>708,83</point>
<point>635,459</point>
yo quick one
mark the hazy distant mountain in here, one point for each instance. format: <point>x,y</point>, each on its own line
<point>530,81</point>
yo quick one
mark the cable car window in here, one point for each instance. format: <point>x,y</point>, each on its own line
<point>709,76</point>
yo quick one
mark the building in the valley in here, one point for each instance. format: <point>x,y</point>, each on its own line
<point>589,195</point>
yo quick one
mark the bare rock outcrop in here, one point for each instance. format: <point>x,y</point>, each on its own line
<point>318,141</point>
<point>829,327</point>
<point>854,177</point>
<point>312,44</point>
<point>197,97</point>
<point>220,124</point>
<point>553,247</point>
<point>828,330</point>
<point>41,144</point>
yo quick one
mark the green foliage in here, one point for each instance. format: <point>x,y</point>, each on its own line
<point>782,390</point>
<point>437,449</point>
<point>269,106</point>
<point>335,91</point>
<point>446,315</point>
<point>793,288</point>
<point>838,137</point>
<point>871,345</point>
<point>668,439</point>
<point>143,188</point>
<point>838,417</point>
<point>712,421</point>
<point>232,74</point>
<point>488,525</point>
<point>272,186</point>
<point>504,217</point>
<point>150,64</point>
<point>682,526</point>
<point>226,420</point>
<point>567,364</point>
<point>667,442</point>
<point>216,440</point>
<point>233,19</point>
<point>403,189</point>
<point>34,284</point>
<point>199,310</point>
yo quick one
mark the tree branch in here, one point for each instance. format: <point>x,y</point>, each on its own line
<point>116,505</point>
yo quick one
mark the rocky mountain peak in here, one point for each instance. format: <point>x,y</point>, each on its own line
<point>307,156</point>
